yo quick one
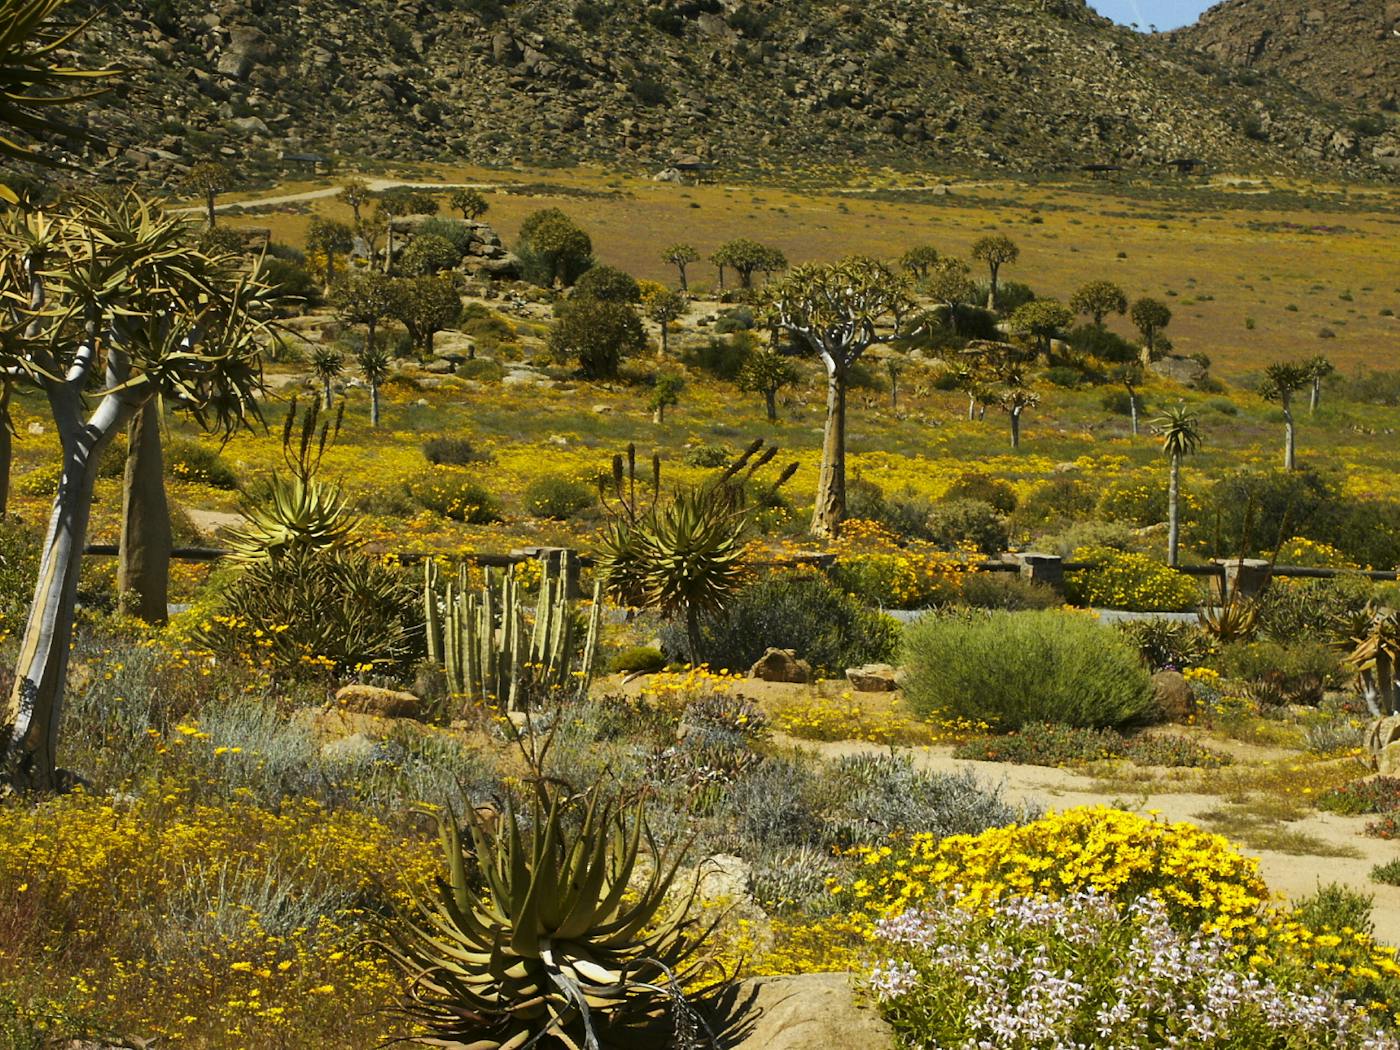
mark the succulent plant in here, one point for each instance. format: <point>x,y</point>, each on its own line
<point>567,931</point>
<point>1372,640</point>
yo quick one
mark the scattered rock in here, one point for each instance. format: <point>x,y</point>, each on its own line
<point>1388,761</point>
<point>1173,695</point>
<point>372,700</point>
<point>1381,733</point>
<point>724,877</point>
<point>873,678</point>
<point>1184,370</point>
<point>781,665</point>
<point>810,1011</point>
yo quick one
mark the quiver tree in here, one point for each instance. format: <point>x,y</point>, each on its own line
<point>1131,374</point>
<point>425,306</point>
<point>1318,368</point>
<point>108,293</point>
<point>1151,317</point>
<point>365,297</point>
<point>327,366</point>
<point>995,252</point>
<point>766,372</point>
<point>949,283</point>
<point>1281,382</point>
<point>329,238</point>
<point>1042,320</point>
<point>208,179</point>
<point>746,257</point>
<point>1014,397</point>
<point>1179,429</point>
<point>1099,299</point>
<point>374,366</point>
<point>553,249</point>
<point>919,260</point>
<point>665,307</point>
<point>665,393</point>
<point>838,312</point>
<point>469,202</point>
<point>355,194</point>
<point>680,256</point>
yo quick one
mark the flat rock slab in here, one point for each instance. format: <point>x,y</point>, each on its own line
<point>811,1011</point>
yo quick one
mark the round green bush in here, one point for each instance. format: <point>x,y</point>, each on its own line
<point>803,611</point>
<point>453,495</point>
<point>557,498</point>
<point>1135,501</point>
<point>1127,580</point>
<point>1010,669</point>
<point>192,461</point>
<point>967,522</point>
<point>638,658</point>
<point>985,488</point>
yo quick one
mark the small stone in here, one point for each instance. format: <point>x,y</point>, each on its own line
<point>372,700</point>
<point>872,678</point>
<point>781,665</point>
<point>602,410</point>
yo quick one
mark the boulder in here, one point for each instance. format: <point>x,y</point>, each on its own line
<point>781,665</point>
<point>1388,761</point>
<point>724,878</point>
<point>873,678</point>
<point>810,1011</point>
<point>1184,370</point>
<point>1173,695</point>
<point>1381,733</point>
<point>372,700</point>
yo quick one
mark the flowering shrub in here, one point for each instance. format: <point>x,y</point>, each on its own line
<point>819,718</point>
<point>453,494</point>
<point>873,564</point>
<point>1087,971</point>
<point>1138,502</point>
<point>1048,744</point>
<point>1200,877</point>
<point>1377,795</point>
<point>1124,580</point>
<point>1313,553</point>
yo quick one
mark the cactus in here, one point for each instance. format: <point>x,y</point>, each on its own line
<point>490,650</point>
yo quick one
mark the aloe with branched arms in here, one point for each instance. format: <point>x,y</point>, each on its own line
<point>838,312</point>
<point>1281,382</point>
<point>108,291</point>
<point>1179,429</point>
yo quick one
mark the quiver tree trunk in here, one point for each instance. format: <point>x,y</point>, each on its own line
<point>30,727</point>
<point>374,404</point>
<point>992,288</point>
<point>1174,513</point>
<point>830,509</point>
<point>143,562</point>
<point>770,402</point>
<point>1015,428</point>
<point>1289,437</point>
<point>1133,409</point>
<point>1315,396</point>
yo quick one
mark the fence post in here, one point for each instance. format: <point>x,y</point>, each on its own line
<point>1039,567</point>
<point>1246,578</point>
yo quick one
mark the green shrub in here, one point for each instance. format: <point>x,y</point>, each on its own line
<point>313,613</point>
<point>1090,533</point>
<point>986,488</point>
<point>638,658</point>
<point>967,522</point>
<point>1064,376</point>
<point>1167,643</point>
<point>453,494</point>
<point>1049,744</point>
<point>41,481</point>
<point>1120,404</point>
<point>802,611</point>
<point>722,358</point>
<point>1055,500</point>
<point>20,549</point>
<point>1377,795</point>
<point>709,456</point>
<point>1389,872</point>
<point>1125,580</point>
<point>1293,608</point>
<point>609,284</point>
<point>1008,591</point>
<point>482,370</point>
<point>1009,669</point>
<point>1336,907</point>
<point>193,461</point>
<point>453,452</point>
<point>558,498</point>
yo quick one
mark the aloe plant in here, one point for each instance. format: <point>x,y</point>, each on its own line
<point>551,928</point>
<point>1372,641</point>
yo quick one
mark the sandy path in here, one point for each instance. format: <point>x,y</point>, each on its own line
<point>376,186</point>
<point>1293,875</point>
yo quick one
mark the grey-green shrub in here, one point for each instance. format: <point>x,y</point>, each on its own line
<point>954,523</point>
<point>1012,668</point>
<point>557,498</point>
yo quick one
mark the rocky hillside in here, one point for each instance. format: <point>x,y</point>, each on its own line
<point>1020,85</point>
<point>1344,50</point>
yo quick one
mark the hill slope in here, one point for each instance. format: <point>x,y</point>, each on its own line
<point>1020,85</point>
<point>1343,50</point>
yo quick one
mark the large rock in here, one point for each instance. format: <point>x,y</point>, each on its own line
<point>1381,733</point>
<point>1184,370</point>
<point>872,678</point>
<point>781,665</point>
<point>1388,761</point>
<point>1173,695</point>
<point>372,700</point>
<point>810,1011</point>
